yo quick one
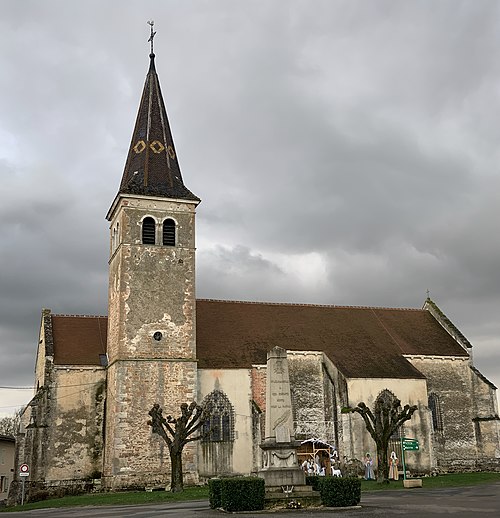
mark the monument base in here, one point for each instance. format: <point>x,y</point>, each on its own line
<point>304,495</point>
<point>278,477</point>
<point>279,464</point>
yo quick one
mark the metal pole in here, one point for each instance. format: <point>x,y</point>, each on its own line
<point>403,455</point>
<point>22,493</point>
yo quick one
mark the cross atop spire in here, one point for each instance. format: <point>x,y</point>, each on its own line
<point>151,38</point>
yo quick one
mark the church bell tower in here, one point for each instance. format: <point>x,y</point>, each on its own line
<point>151,319</point>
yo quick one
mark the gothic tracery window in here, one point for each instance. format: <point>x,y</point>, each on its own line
<point>219,426</point>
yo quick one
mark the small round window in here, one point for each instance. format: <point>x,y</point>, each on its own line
<point>157,336</point>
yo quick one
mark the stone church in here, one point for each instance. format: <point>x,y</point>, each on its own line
<point>96,377</point>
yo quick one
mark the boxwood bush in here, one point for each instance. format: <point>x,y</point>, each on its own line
<point>214,489</point>
<point>340,492</point>
<point>314,481</point>
<point>242,494</point>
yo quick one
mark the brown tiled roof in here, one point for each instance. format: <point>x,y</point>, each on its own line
<point>79,340</point>
<point>361,342</point>
<point>152,167</point>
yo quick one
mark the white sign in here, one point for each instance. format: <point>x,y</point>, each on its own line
<point>24,470</point>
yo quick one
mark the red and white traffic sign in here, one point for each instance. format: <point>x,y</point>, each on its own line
<point>24,470</point>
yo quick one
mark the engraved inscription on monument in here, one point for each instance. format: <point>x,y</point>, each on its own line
<point>279,449</point>
<point>279,419</point>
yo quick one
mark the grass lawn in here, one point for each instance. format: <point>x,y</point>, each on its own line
<point>200,493</point>
<point>452,480</point>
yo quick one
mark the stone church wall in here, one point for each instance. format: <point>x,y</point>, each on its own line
<point>486,422</point>
<point>409,391</point>
<point>454,438</point>
<point>234,457</point>
<point>137,457</point>
<point>61,436</point>
<point>312,396</point>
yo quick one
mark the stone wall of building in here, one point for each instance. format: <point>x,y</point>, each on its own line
<point>235,456</point>
<point>134,455</point>
<point>486,422</point>
<point>61,433</point>
<point>454,439</point>
<point>409,391</point>
<point>312,396</point>
<point>151,340</point>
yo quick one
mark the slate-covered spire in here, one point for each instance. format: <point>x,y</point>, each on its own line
<point>152,168</point>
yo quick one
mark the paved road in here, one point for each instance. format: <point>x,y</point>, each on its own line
<point>477,502</point>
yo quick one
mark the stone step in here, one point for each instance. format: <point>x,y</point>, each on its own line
<point>303,490</point>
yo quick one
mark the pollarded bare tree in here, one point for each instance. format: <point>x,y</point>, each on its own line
<point>386,418</point>
<point>177,432</point>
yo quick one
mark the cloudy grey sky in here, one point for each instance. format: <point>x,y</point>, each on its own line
<point>346,152</point>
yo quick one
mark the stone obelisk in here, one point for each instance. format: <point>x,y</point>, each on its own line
<point>279,449</point>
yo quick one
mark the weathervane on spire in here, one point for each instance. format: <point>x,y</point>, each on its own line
<point>151,38</point>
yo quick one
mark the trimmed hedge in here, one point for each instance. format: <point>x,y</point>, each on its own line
<point>314,481</point>
<point>340,492</point>
<point>242,494</point>
<point>214,493</point>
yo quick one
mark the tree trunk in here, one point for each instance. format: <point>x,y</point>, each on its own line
<point>383,463</point>
<point>177,482</point>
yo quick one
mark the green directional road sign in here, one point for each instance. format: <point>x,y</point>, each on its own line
<point>410,444</point>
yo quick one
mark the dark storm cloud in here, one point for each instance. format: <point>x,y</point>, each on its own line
<point>345,151</point>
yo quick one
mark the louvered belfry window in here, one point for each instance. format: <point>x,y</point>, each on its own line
<point>148,231</point>
<point>169,232</point>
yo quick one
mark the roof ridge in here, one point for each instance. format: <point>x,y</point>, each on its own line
<point>78,316</point>
<point>303,304</point>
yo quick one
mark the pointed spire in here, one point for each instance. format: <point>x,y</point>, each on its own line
<point>152,168</point>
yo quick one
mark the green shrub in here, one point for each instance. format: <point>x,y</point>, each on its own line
<point>214,492</point>
<point>314,481</point>
<point>242,494</point>
<point>340,492</point>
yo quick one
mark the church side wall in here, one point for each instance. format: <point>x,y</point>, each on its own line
<point>486,422</point>
<point>74,450</point>
<point>228,457</point>
<point>454,440</point>
<point>409,391</point>
<point>61,432</point>
<point>312,418</point>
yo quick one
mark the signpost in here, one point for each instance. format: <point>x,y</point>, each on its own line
<point>24,471</point>
<point>407,444</point>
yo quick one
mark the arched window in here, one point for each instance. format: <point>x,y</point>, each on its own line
<point>148,231</point>
<point>219,426</point>
<point>169,232</point>
<point>435,408</point>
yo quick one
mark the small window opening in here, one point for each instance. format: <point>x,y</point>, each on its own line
<point>437,415</point>
<point>148,231</point>
<point>169,232</point>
